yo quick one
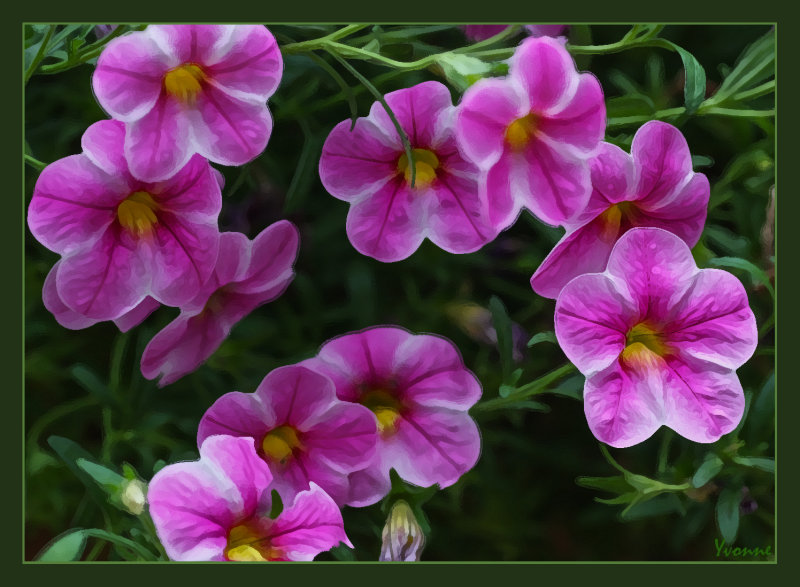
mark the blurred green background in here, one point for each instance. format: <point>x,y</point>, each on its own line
<point>521,501</point>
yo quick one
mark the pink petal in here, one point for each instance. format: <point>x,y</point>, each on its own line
<point>545,30</point>
<point>499,190</point>
<point>593,316</point>
<point>297,395</point>
<point>456,389</point>
<point>582,121</point>
<point>418,110</point>
<point>344,438</point>
<point>662,160</point>
<point>64,315</point>
<point>103,143</point>
<point>368,486</point>
<point>250,63</point>
<point>274,251</point>
<point>190,43</point>
<point>457,220</point>
<point>387,224</point>
<point>685,213</point>
<point>129,76</point>
<point>546,71</point>
<point>236,414</point>
<point>229,130</point>
<point>481,32</point>
<point>625,406</point>
<point>485,112</point>
<point>702,400</point>
<point>233,261</point>
<point>712,321</point>
<point>358,162</point>
<point>157,145</point>
<point>137,315</point>
<point>420,356</point>
<point>193,191</point>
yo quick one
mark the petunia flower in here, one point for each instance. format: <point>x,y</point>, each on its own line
<point>122,240</point>
<point>419,391</point>
<point>247,275</point>
<point>532,133</point>
<point>481,32</point>
<point>217,509</point>
<point>186,89</point>
<point>658,340</point>
<point>368,167</point>
<point>653,186</point>
<point>301,430</point>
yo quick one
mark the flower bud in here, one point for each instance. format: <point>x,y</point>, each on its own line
<point>133,496</point>
<point>402,536</point>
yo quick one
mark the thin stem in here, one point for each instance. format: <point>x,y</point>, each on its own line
<point>35,163</point>
<point>320,43</point>
<point>40,53</point>
<point>526,391</point>
<point>738,112</point>
<point>55,414</point>
<point>756,92</point>
<point>663,451</point>
<point>88,52</point>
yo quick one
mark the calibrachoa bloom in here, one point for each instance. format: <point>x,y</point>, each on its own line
<point>247,275</point>
<point>658,340</point>
<point>302,431</point>
<point>481,32</point>
<point>532,133</point>
<point>368,167</point>
<point>185,89</point>
<point>217,508</point>
<point>420,392</point>
<point>653,186</point>
<point>121,239</point>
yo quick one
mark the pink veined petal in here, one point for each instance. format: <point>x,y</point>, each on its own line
<point>73,204</point>
<point>585,250</point>
<point>250,64</point>
<point>128,79</point>
<point>417,109</point>
<point>64,315</point>
<point>369,485</point>
<point>184,255</point>
<point>297,395</point>
<point>193,192</point>
<point>228,130</point>
<point>558,183</point>
<point>103,143</point>
<point>274,252</point>
<point>190,43</point>
<point>457,220</point>
<point>702,400</point>
<point>137,315</point>
<point>236,414</point>
<point>420,356</point>
<point>625,406</point>
<point>233,261</point>
<point>157,145</point>
<point>387,225</point>
<point>481,32</point>
<point>237,305</point>
<point>685,214</point>
<point>307,468</point>
<point>655,265</point>
<point>663,162</point>
<point>499,191</point>
<point>712,320</point>
<point>106,280</point>
<point>432,445</point>
<point>344,438</point>
<point>546,71</point>
<point>456,389</point>
<point>582,121</point>
<point>310,525</point>
<point>354,164</point>
<point>483,116</point>
<point>182,346</point>
<point>593,315</point>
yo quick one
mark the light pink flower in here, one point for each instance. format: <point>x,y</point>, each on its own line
<point>658,340</point>
<point>389,219</point>
<point>121,239</point>
<point>217,509</point>
<point>186,89</point>
<point>420,392</point>
<point>532,133</point>
<point>653,186</point>
<point>247,275</point>
<point>303,432</point>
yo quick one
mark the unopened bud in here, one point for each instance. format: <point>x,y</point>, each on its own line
<point>133,496</point>
<point>402,536</point>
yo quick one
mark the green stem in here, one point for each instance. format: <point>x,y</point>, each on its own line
<point>35,163</point>
<point>639,119</point>
<point>88,52</point>
<point>663,452</point>
<point>526,391</point>
<point>757,92</point>
<point>121,541</point>
<point>55,414</point>
<point>320,43</point>
<point>40,53</point>
<point>737,112</point>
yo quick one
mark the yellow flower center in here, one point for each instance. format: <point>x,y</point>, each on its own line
<point>425,163</point>
<point>520,132</point>
<point>184,82</point>
<point>643,344</point>
<point>245,543</point>
<point>279,444</point>
<point>385,407</point>
<point>612,219</point>
<point>137,213</point>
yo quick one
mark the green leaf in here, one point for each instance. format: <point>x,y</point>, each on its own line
<point>343,553</point>
<point>756,273</point>
<point>277,505</point>
<point>666,503</point>
<point>548,336</point>
<point>502,326</point>
<point>109,480</point>
<point>572,387</point>
<point>728,513</point>
<point>707,471</point>
<point>462,70</point>
<point>762,463</point>
<point>69,452</point>
<point>616,484</point>
<point>755,64</point>
<point>694,90</point>
<point>92,383</point>
<point>68,546</point>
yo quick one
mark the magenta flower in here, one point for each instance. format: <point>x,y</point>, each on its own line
<point>653,186</point>
<point>658,340</point>
<point>302,431</point>
<point>532,133</point>
<point>389,219</point>
<point>247,275</point>
<point>121,239</point>
<point>186,89</point>
<point>419,391</point>
<point>545,30</point>
<point>217,509</point>
<point>481,32</point>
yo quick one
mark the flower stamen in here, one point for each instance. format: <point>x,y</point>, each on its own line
<point>137,213</point>
<point>520,132</point>
<point>184,82</point>
<point>425,163</point>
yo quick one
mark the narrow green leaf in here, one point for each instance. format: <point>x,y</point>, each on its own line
<point>707,471</point>
<point>502,326</point>
<point>756,63</point>
<point>616,484</point>
<point>68,546</point>
<point>660,505</point>
<point>92,383</point>
<point>694,90</point>
<point>728,513</point>
<point>548,336</point>
<point>122,543</point>
<point>762,463</point>
<point>69,452</point>
<point>345,87</point>
<point>110,481</point>
<point>756,273</point>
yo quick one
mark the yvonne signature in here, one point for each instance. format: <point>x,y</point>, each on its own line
<point>740,552</point>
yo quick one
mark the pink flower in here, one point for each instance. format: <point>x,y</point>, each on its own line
<point>247,275</point>
<point>121,239</point>
<point>420,392</point>
<point>532,133</point>
<point>481,32</point>
<point>389,219</point>
<point>658,340</point>
<point>545,30</point>
<point>217,509</point>
<point>653,186</point>
<point>186,89</point>
<point>302,431</point>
